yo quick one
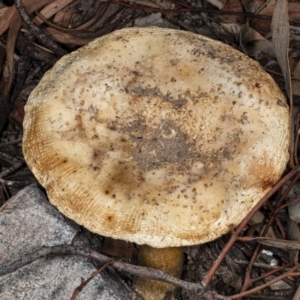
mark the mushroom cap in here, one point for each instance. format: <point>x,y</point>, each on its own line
<point>156,136</point>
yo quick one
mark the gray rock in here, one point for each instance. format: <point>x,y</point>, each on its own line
<point>27,223</point>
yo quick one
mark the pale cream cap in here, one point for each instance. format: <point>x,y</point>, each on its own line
<point>156,136</point>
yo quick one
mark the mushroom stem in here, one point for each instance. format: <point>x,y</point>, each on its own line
<point>168,260</point>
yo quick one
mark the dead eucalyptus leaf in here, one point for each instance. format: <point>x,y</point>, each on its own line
<point>14,28</point>
<point>257,218</point>
<point>254,5</point>
<point>294,211</point>
<point>293,11</point>
<point>296,83</point>
<point>282,244</point>
<point>236,7</point>
<point>64,16</point>
<point>66,38</point>
<point>278,285</point>
<point>217,3</point>
<point>165,4</point>
<point>4,12</point>
<point>155,19</point>
<point>249,34</point>
<point>261,49</point>
<point>280,37</point>
<point>30,5</point>
<point>264,25</point>
<point>5,18</point>
<point>2,56</point>
<point>12,20</point>
<point>51,9</point>
<point>17,112</point>
<point>254,44</point>
<point>297,294</point>
<point>293,234</point>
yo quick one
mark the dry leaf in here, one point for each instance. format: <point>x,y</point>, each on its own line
<point>264,25</point>
<point>165,4</point>
<point>14,24</point>
<point>217,3</point>
<point>234,6</point>
<point>294,211</point>
<point>249,34</point>
<point>232,28</point>
<point>14,28</point>
<point>51,9</point>
<point>17,112</point>
<point>4,12</point>
<point>261,49</point>
<point>154,20</point>
<point>293,235</point>
<point>30,5</point>
<point>63,17</point>
<point>66,38</point>
<point>293,11</point>
<point>278,285</point>
<point>254,44</point>
<point>5,18</point>
<point>280,38</point>
<point>296,83</point>
<point>297,294</point>
<point>2,56</point>
<point>282,244</point>
<point>257,218</point>
<point>254,5</point>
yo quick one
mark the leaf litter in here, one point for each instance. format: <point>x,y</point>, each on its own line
<point>264,30</point>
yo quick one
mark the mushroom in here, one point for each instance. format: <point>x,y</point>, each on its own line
<point>160,137</point>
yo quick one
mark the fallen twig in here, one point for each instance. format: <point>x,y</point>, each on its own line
<point>85,282</point>
<point>197,288</point>
<point>239,229</point>
<point>37,32</point>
